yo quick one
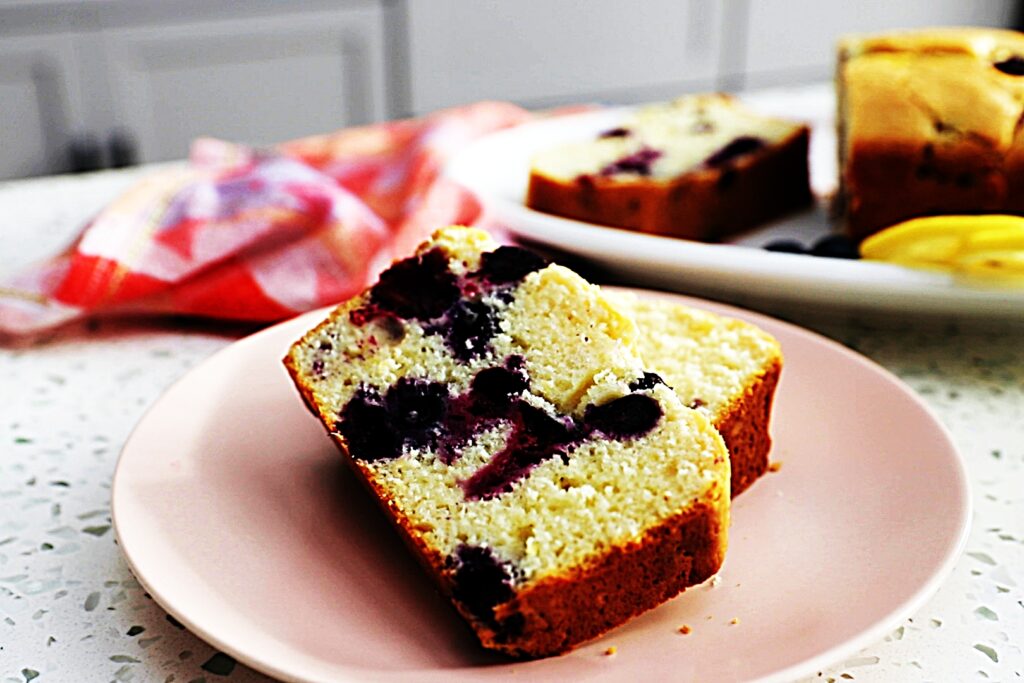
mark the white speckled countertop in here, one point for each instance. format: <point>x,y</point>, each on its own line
<point>70,609</point>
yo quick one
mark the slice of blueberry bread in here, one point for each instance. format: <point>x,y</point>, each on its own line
<point>701,167</point>
<point>929,123</point>
<point>725,368</point>
<point>496,407</point>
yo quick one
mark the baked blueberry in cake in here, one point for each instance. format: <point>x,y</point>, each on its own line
<point>496,407</point>
<point>701,167</point>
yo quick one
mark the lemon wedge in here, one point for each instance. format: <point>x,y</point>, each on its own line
<point>988,246</point>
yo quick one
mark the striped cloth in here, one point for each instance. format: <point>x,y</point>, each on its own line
<point>260,235</point>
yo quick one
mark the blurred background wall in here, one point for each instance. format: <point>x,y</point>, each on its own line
<point>106,83</point>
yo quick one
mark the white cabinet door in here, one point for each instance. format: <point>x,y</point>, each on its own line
<point>40,103</point>
<point>541,52</point>
<point>257,80</point>
<point>790,41</point>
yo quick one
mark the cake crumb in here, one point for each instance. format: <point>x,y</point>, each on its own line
<point>734,621</point>
<point>775,466</point>
<point>685,629</point>
<point>714,581</point>
<point>611,651</point>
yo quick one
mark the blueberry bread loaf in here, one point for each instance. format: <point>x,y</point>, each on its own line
<point>496,408</point>
<point>725,368</point>
<point>935,114</point>
<point>701,167</point>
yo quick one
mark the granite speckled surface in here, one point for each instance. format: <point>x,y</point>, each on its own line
<point>70,610</point>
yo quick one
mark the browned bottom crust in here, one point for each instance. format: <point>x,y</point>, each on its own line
<point>744,428</point>
<point>969,177</point>
<point>705,205</point>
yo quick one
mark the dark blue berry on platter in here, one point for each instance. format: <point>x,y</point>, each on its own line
<point>626,417</point>
<point>741,146</point>
<point>1014,66</point>
<point>480,581</point>
<point>786,246</point>
<point>509,264</point>
<point>836,246</point>
<point>648,381</point>
<point>420,287</point>
<point>470,327</point>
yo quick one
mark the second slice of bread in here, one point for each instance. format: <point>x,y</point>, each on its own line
<point>725,368</point>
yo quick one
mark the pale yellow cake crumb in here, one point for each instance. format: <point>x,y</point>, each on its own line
<point>775,466</point>
<point>610,651</point>
<point>734,621</point>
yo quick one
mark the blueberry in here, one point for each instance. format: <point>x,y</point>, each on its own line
<point>366,426</point>
<point>417,409</point>
<point>836,246</point>
<point>629,416</point>
<point>1013,66</point>
<point>786,246</point>
<point>470,327</point>
<point>638,162</point>
<point>420,287</point>
<point>509,264</point>
<point>493,388</point>
<point>742,145</point>
<point>545,429</point>
<point>648,381</point>
<point>480,582</point>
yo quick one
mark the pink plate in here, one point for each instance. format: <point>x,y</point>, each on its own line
<point>236,513</point>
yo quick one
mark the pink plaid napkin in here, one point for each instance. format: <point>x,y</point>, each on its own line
<point>260,235</point>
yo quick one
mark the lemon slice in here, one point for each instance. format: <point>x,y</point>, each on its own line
<point>989,246</point>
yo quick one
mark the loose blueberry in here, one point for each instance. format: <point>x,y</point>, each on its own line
<point>785,246</point>
<point>1013,66</point>
<point>740,146</point>
<point>509,264</point>
<point>480,582</point>
<point>626,417</point>
<point>836,246</point>
<point>648,381</point>
<point>420,287</point>
<point>638,162</point>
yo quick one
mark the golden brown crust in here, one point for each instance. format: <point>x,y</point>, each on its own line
<point>744,428</point>
<point>704,205</point>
